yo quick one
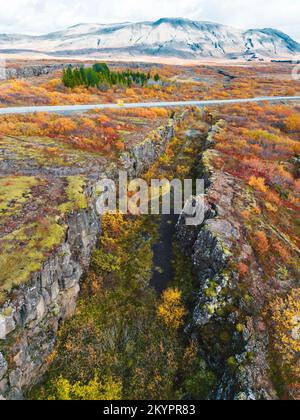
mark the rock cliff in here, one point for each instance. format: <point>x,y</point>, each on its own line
<point>32,71</point>
<point>227,318</point>
<point>30,318</point>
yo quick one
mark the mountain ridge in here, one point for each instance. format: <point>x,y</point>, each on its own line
<point>166,37</point>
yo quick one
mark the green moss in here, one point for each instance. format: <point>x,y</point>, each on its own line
<point>46,152</point>
<point>7,312</point>
<point>75,194</point>
<point>283,273</point>
<point>220,312</point>
<point>248,299</point>
<point>239,328</point>
<point>24,251</point>
<point>232,363</point>
<point>210,293</point>
<point>14,191</point>
<point>211,309</point>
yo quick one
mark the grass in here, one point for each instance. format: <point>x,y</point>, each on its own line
<point>15,191</point>
<point>24,251</point>
<point>44,151</point>
<point>75,193</point>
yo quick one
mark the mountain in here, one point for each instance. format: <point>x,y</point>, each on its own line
<point>168,37</point>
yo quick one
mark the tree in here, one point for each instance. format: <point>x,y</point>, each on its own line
<point>68,78</point>
<point>100,73</point>
<point>83,77</point>
<point>171,311</point>
<point>101,68</point>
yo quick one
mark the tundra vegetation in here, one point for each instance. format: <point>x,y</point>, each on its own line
<point>125,336</point>
<point>125,341</point>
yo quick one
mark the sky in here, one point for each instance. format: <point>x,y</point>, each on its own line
<point>43,16</point>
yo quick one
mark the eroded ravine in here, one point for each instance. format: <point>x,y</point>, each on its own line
<point>120,332</point>
<point>163,249</point>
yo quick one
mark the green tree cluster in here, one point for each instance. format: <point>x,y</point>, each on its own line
<point>100,73</point>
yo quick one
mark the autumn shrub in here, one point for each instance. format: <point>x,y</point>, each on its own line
<point>106,389</point>
<point>261,243</point>
<point>61,126</point>
<point>292,123</point>
<point>104,262</point>
<point>171,311</point>
<point>258,183</point>
<point>243,269</point>
<point>285,318</point>
<point>282,251</point>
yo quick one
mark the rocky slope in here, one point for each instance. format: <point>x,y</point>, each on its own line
<point>227,318</point>
<point>166,37</point>
<point>30,318</point>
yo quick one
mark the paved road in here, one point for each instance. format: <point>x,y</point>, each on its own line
<point>82,108</point>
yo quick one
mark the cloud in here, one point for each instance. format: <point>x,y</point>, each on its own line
<point>43,16</point>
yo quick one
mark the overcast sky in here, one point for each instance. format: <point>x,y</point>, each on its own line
<point>43,16</point>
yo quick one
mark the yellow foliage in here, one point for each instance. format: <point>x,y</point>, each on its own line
<point>271,208</point>
<point>171,311</point>
<point>293,122</point>
<point>62,125</point>
<point>103,119</point>
<point>95,390</point>
<point>258,183</point>
<point>130,92</point>
<point>161,112</point>
<point>285,314</point>
<point>273,197</point>
<point>113,225</point>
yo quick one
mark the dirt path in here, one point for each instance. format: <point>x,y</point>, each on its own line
<point>163,260</point>
<point>163,271</point>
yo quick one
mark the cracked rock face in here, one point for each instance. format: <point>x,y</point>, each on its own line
<point>233,344</point>
<point>32,319</point>
<point>29,321</point>
<point>3,366</point>
<point>141,156</point>
<point>30,71</point>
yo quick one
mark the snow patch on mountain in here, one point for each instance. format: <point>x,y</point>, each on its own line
<point>166,37</point>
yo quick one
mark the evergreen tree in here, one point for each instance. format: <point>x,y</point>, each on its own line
<point>100,73</point>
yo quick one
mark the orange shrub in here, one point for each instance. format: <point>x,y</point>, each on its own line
<point>292,123</point>
<point>103,119</point>
<point>273,197</point>
<point>258,183</point>
<point>161,112</point>
<point>61,126</point>
<point>261,242</point>
<point>285,255</point>
<point>243,269</point>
